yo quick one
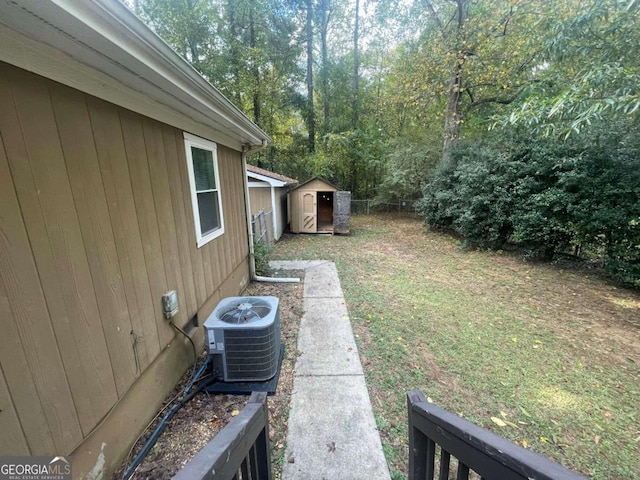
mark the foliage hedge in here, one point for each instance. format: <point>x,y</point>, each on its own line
<point>545,196</point>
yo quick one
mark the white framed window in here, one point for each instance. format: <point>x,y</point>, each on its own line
<point>204,183</point>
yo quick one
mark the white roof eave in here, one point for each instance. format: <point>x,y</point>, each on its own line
<point>102,48</point>
<point>271,181</point>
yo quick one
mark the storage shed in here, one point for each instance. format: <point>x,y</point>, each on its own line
<point>121,178</point>
<point>268,201</point>
<point>317,206</point>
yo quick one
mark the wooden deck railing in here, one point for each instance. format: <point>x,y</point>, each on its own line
<point>434,432</point>
<point>239,451</point>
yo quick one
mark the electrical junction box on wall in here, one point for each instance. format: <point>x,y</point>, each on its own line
<point>170,304</point>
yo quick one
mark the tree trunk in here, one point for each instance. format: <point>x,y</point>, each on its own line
<point>324,70</point>
<point>311,114</point>
<point>233,30</point>
<point>254,69</point>
<point>453,115</point>
<point>356,68</point>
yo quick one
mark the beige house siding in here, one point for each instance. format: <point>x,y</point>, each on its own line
<point>96,223</point>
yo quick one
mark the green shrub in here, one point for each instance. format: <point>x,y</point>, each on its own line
<point>262,253</point>
<point>541,216</point>
<point>546,197</point>
<point>473,199</point>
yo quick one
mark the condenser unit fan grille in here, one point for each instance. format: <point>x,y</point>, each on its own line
<point>245,312</point>
<point>252,353</point>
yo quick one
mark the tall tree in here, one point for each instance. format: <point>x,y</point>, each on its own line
<point>490,49</point>
<point>324,9</point>
<point>356,67</point>
<point>255,68</point>
<point>186,25</point>
<point>311,114</point>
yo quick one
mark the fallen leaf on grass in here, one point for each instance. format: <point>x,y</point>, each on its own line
<point>498,421</point>
<point>524,412</point>
<point>596,439</point>
<point>503,423</point>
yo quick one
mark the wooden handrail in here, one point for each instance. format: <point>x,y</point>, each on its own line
<point>478,449</point>
<point>241,447</point>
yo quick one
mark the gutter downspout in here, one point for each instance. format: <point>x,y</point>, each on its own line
<point>252,259</point>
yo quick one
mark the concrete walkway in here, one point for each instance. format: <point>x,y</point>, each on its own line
<point>332,433</point>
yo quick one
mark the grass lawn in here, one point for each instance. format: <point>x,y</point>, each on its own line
<point>552,352</point>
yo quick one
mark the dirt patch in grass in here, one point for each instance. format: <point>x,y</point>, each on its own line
<point>554,350</point>
<point>195,424</point>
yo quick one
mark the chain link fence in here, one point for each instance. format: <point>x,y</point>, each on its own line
<point>261,223</point>
<point>401,207</point>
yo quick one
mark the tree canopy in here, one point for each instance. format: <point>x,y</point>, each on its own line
<point>384,98</point>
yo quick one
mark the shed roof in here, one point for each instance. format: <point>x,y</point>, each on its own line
<point>314,179</point>
<point>102,48</point>
<point>272,178</point>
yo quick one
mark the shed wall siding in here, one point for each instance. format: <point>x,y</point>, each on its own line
<point>95,224</point>
<point>260,199</point>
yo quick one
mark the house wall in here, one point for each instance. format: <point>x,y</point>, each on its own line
<point>96,224</point>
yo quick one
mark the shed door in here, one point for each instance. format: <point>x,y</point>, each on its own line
<point>309,214</point>
<point>341,212</point>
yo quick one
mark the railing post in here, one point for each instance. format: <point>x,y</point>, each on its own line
<point>262,450</point>
<point>418,443</point>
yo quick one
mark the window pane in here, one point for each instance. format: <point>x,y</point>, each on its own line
<point>203,169</point>
<point>209,212</point>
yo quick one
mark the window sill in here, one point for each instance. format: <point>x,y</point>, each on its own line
<point>209,237</point>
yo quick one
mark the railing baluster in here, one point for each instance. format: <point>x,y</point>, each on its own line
<point>463,471</point>
<point>244,468</point>
<point>431,457</point>
<point>253,463</point>
<point>263,454</point>
<point>445,463</point>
